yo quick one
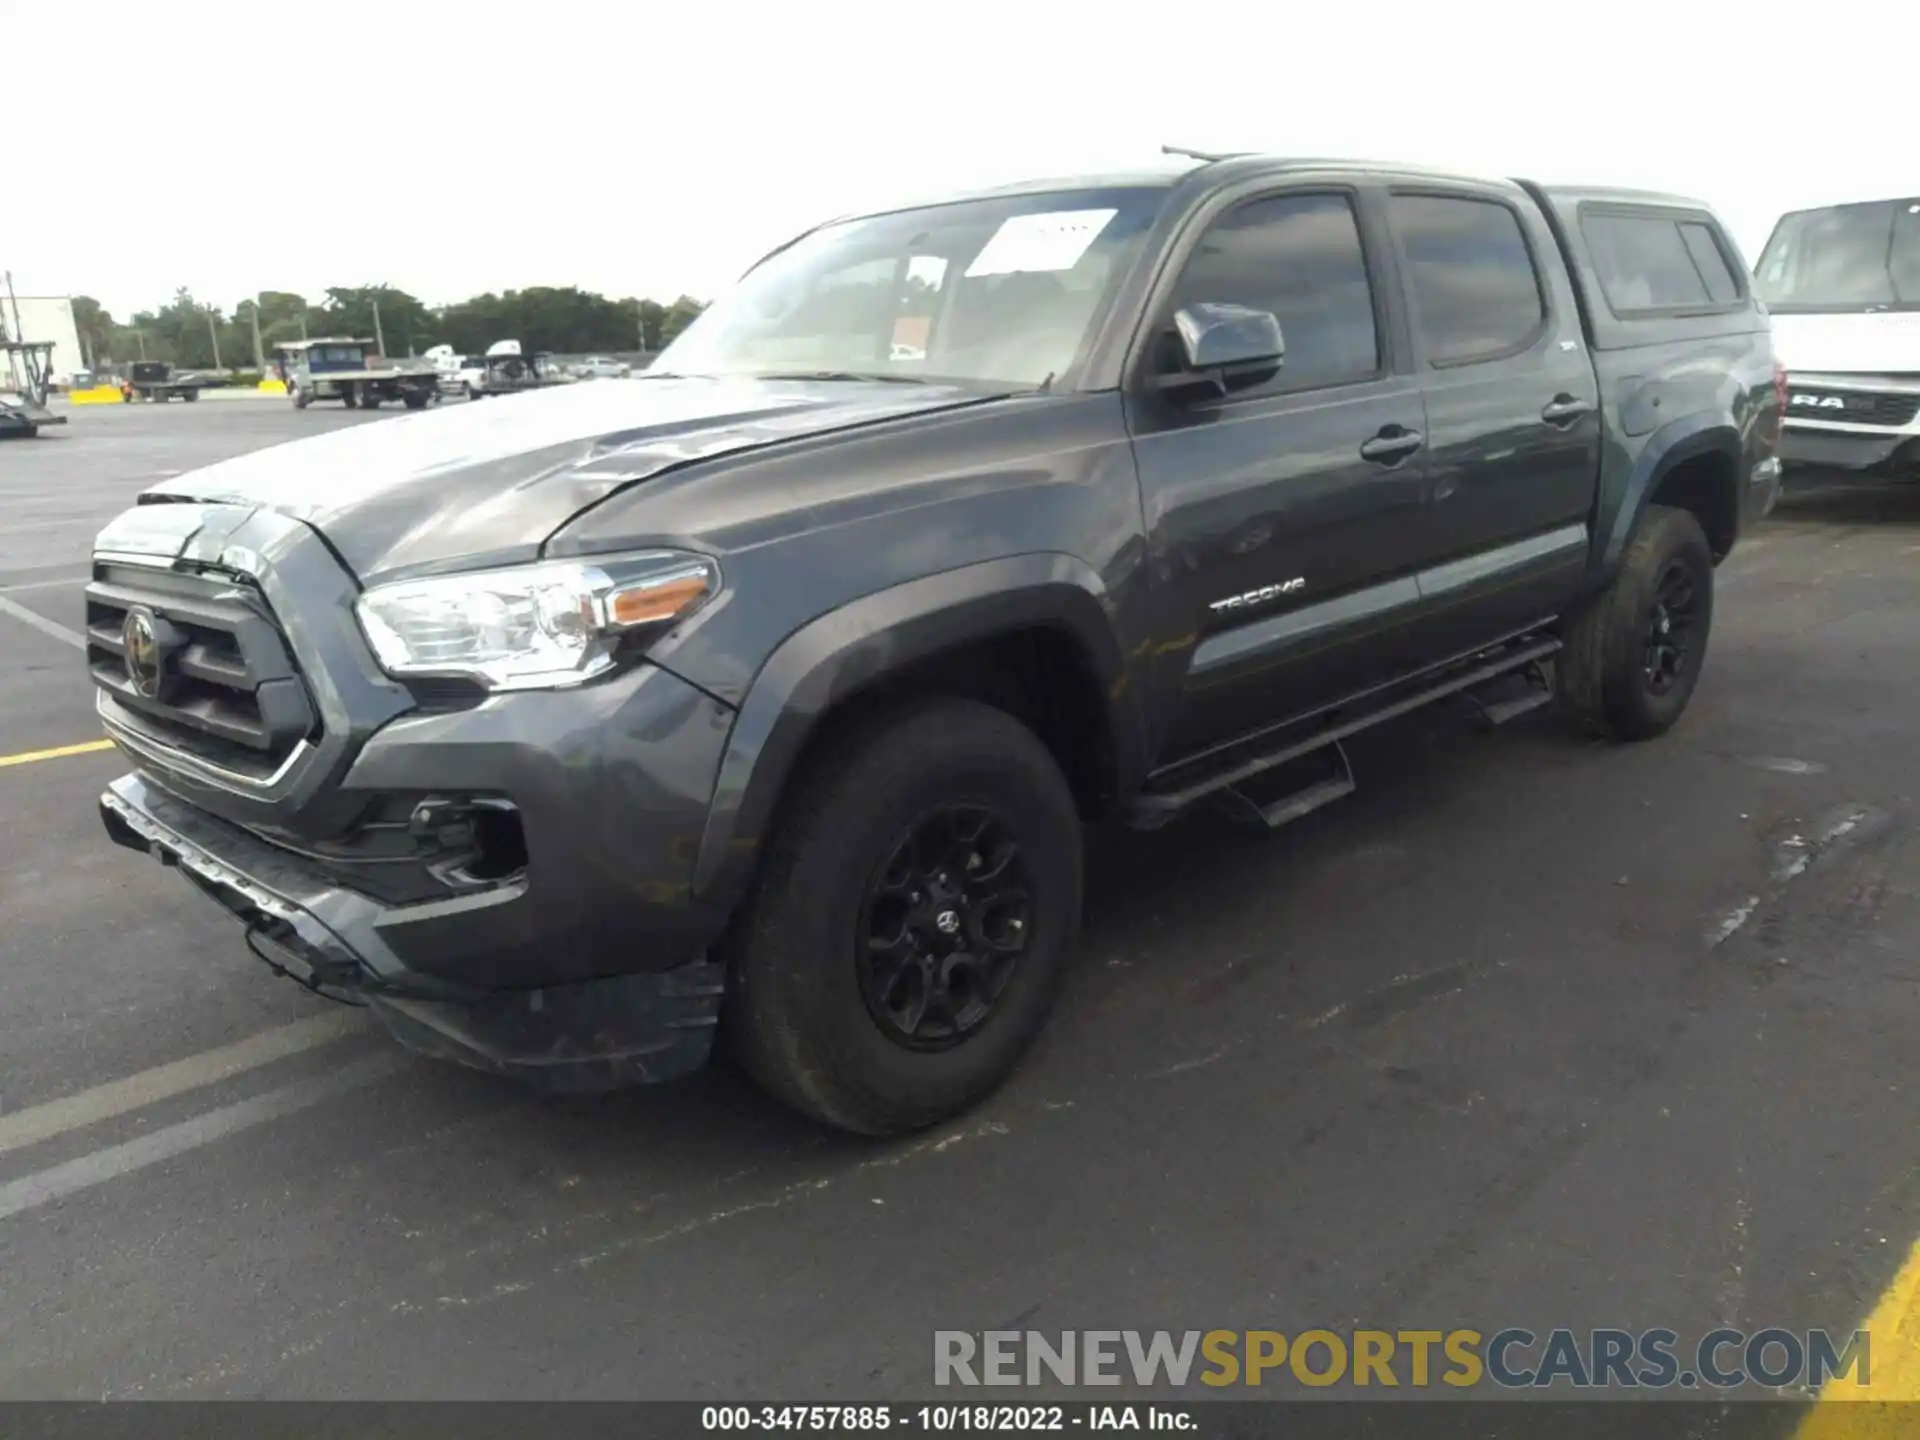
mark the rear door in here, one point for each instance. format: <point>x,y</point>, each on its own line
<point>1512,407</point>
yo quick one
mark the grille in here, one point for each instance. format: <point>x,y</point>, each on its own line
<point>1861,407</point>
<point>220,684</point>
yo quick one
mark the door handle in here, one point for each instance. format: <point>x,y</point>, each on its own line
<point>1392,445</point>
<point>1563,408</point>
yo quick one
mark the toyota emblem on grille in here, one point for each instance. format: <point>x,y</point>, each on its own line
<point>140,637</point>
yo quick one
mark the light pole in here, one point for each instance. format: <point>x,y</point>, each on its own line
<point>259,355</point>
<point>19,331</point>
<point>379,340</point>
<point>213,334</point>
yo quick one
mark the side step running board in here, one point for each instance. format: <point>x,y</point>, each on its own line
<point>1495,713</point>
<point>1152,809</point>
<point>1303,801</point>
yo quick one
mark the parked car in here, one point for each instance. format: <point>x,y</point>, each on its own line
<point>506,370</point>
<point>602,367</point>
<point>471,377</point>
<point>454,374</point>
<point>768,698</point>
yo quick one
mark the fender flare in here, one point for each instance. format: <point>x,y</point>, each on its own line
<point>1673,444</point>
<point>848,649</point>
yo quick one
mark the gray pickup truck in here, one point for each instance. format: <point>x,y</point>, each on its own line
<point>765,696</point>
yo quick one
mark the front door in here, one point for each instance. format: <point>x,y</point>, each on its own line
<point>1284,521</point>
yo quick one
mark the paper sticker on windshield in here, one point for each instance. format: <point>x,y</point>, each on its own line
<point>1053,241</point>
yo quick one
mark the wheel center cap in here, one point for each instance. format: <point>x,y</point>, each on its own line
<point>948,922</point>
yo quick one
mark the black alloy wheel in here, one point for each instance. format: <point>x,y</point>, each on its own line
<point>1670,626</point>
<point>946,922</point>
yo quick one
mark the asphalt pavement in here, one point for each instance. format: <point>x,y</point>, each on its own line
<point>1531,1031</point>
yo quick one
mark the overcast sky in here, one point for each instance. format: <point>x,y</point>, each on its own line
<point>651,148</point>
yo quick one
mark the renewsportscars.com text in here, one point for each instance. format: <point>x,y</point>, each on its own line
<point>1512,1358</point>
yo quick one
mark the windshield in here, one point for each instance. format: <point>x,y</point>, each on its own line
<point>1002,291</point>
<point>1845,257</point>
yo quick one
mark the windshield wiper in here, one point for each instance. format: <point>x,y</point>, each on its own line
<point>877,376</point>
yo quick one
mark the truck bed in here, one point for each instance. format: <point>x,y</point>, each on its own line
<point>357,376</point>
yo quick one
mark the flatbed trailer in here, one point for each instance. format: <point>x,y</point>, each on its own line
<point>335,369</point>
<point>25,373</point>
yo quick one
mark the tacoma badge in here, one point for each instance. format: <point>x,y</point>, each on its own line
<point>1260,596</point>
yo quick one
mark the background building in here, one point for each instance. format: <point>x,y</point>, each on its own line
<point>46,317</point>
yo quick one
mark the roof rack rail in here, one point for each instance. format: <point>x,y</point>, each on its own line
<point>1211,157</point>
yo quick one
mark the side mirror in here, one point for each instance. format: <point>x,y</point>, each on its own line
<point>1232,346</point>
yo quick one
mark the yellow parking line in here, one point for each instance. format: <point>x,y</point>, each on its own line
<point>56,753</point>
<point>1894,1348</point>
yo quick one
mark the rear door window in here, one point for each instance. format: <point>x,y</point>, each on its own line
<point>1475,289</point>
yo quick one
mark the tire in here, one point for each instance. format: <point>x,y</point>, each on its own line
<point>349,397</point>
<point>189,395</point>
<point>1618,674</point>
<point>800,1014</point>
<point>415,399</point>
<point>370,401</point>
<point>301,399</point>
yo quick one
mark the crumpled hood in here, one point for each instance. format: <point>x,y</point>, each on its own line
<point>1885,343</point>
<point>486,482</point>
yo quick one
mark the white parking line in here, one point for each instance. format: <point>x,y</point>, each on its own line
<point>41,623</point>
<point>103,1102</point>
<point>43,584</point>
<point>60,1181</point>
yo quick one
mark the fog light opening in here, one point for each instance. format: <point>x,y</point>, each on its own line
<point>500,844</point>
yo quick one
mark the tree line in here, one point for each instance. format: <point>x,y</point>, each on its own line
<point>194,335</point>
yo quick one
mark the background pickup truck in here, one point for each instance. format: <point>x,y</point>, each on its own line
<point>766,695</point>
<point>1840,282</point>
<point>155,380</point>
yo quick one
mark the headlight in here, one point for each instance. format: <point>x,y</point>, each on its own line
<point>532,627</point>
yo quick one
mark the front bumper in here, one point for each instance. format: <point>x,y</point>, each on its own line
<point>1835,449</point>
<point>590,1035</point>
